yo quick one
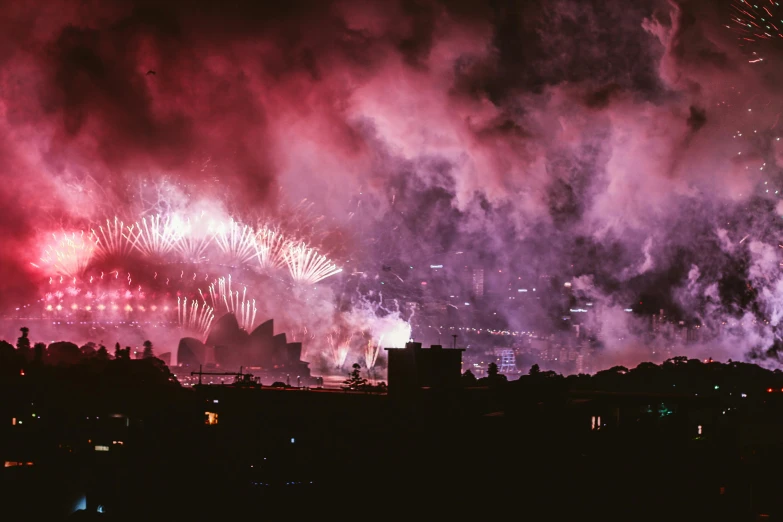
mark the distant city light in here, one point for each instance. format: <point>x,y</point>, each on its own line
<point>522,290</point>
<point>629,309</point>
<point>436,266</point>
<point>582,310</point>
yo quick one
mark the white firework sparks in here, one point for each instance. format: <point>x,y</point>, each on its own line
<point>112,240</point>
<point>237,241</point>
<point>194,316</point>
<point>339,348</point>
<point>307,266</point>
<point>154,237</point>
<point>223,296</point>
<point>270,248</point>
<point>371,352</point>
<point>193,237</point>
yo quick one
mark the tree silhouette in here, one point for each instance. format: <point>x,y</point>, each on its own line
<point>102,354</point>
<point>534,370</point>
<point>147,350</point>
<point>38,350</point>
<point>63,352</point>
<point>355,379</point>
<point>117,351</point>
<point>468,379</point>
<point>23,342</point>
<point>492,370</point>
<point>88,350</point>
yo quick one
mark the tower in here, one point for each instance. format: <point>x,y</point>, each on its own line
<point>508,362</point>
<point>478,282</point>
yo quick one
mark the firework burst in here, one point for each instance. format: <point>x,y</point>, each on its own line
<point>223,296</point>
<point>236,241</point>
<point>193,238</point>
<point>371,351</point>
<point>759,27</point>
<point>270,248</point>
<point>112,240</point>
<point>339,348</point>
<point>194,316</point>
<point>153,237</point>
<point>307,266</point>
<point>70,253</point>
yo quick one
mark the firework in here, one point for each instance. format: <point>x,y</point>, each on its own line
<point>192,238</point>
<point>397,334</point>
<point>154,237</point>
<point>243,308</point>
<point>371,352</point>
<point>112,240</point>
<point>339,348</point>
<point>236,241</point>
<point>70,254</point>
<point>758,26</point>
<point>270,248</point>
<point>307,266</point>
<point>195,317</point>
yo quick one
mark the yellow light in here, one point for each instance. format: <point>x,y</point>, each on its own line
<point>153,307</point>
<point>88,308</point>
<point>59,307</point>
<point>115,307</point>
<point>49,307</point>
<point>128,308</point>
<point>101,307</point>
<point>74,306</point>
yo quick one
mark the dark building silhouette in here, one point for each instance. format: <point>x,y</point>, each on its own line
<point>413,367</point>
<point>230,347</point>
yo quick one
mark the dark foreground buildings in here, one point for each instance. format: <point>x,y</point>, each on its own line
<point>680,441</point>
<point>413,367</point>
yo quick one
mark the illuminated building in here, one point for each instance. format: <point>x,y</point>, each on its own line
<point>478,282</point>
<point>580,364</point>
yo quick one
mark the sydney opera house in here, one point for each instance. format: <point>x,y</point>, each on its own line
<point>261,351</point>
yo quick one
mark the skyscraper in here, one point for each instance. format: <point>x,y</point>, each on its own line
<point>478,282</point>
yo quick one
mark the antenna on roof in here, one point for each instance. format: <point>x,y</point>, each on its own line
<point>455,340</point>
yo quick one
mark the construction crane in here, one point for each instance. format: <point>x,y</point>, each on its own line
<point>239,377</point>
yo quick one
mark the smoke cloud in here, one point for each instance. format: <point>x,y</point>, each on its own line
<point>631,146</point>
